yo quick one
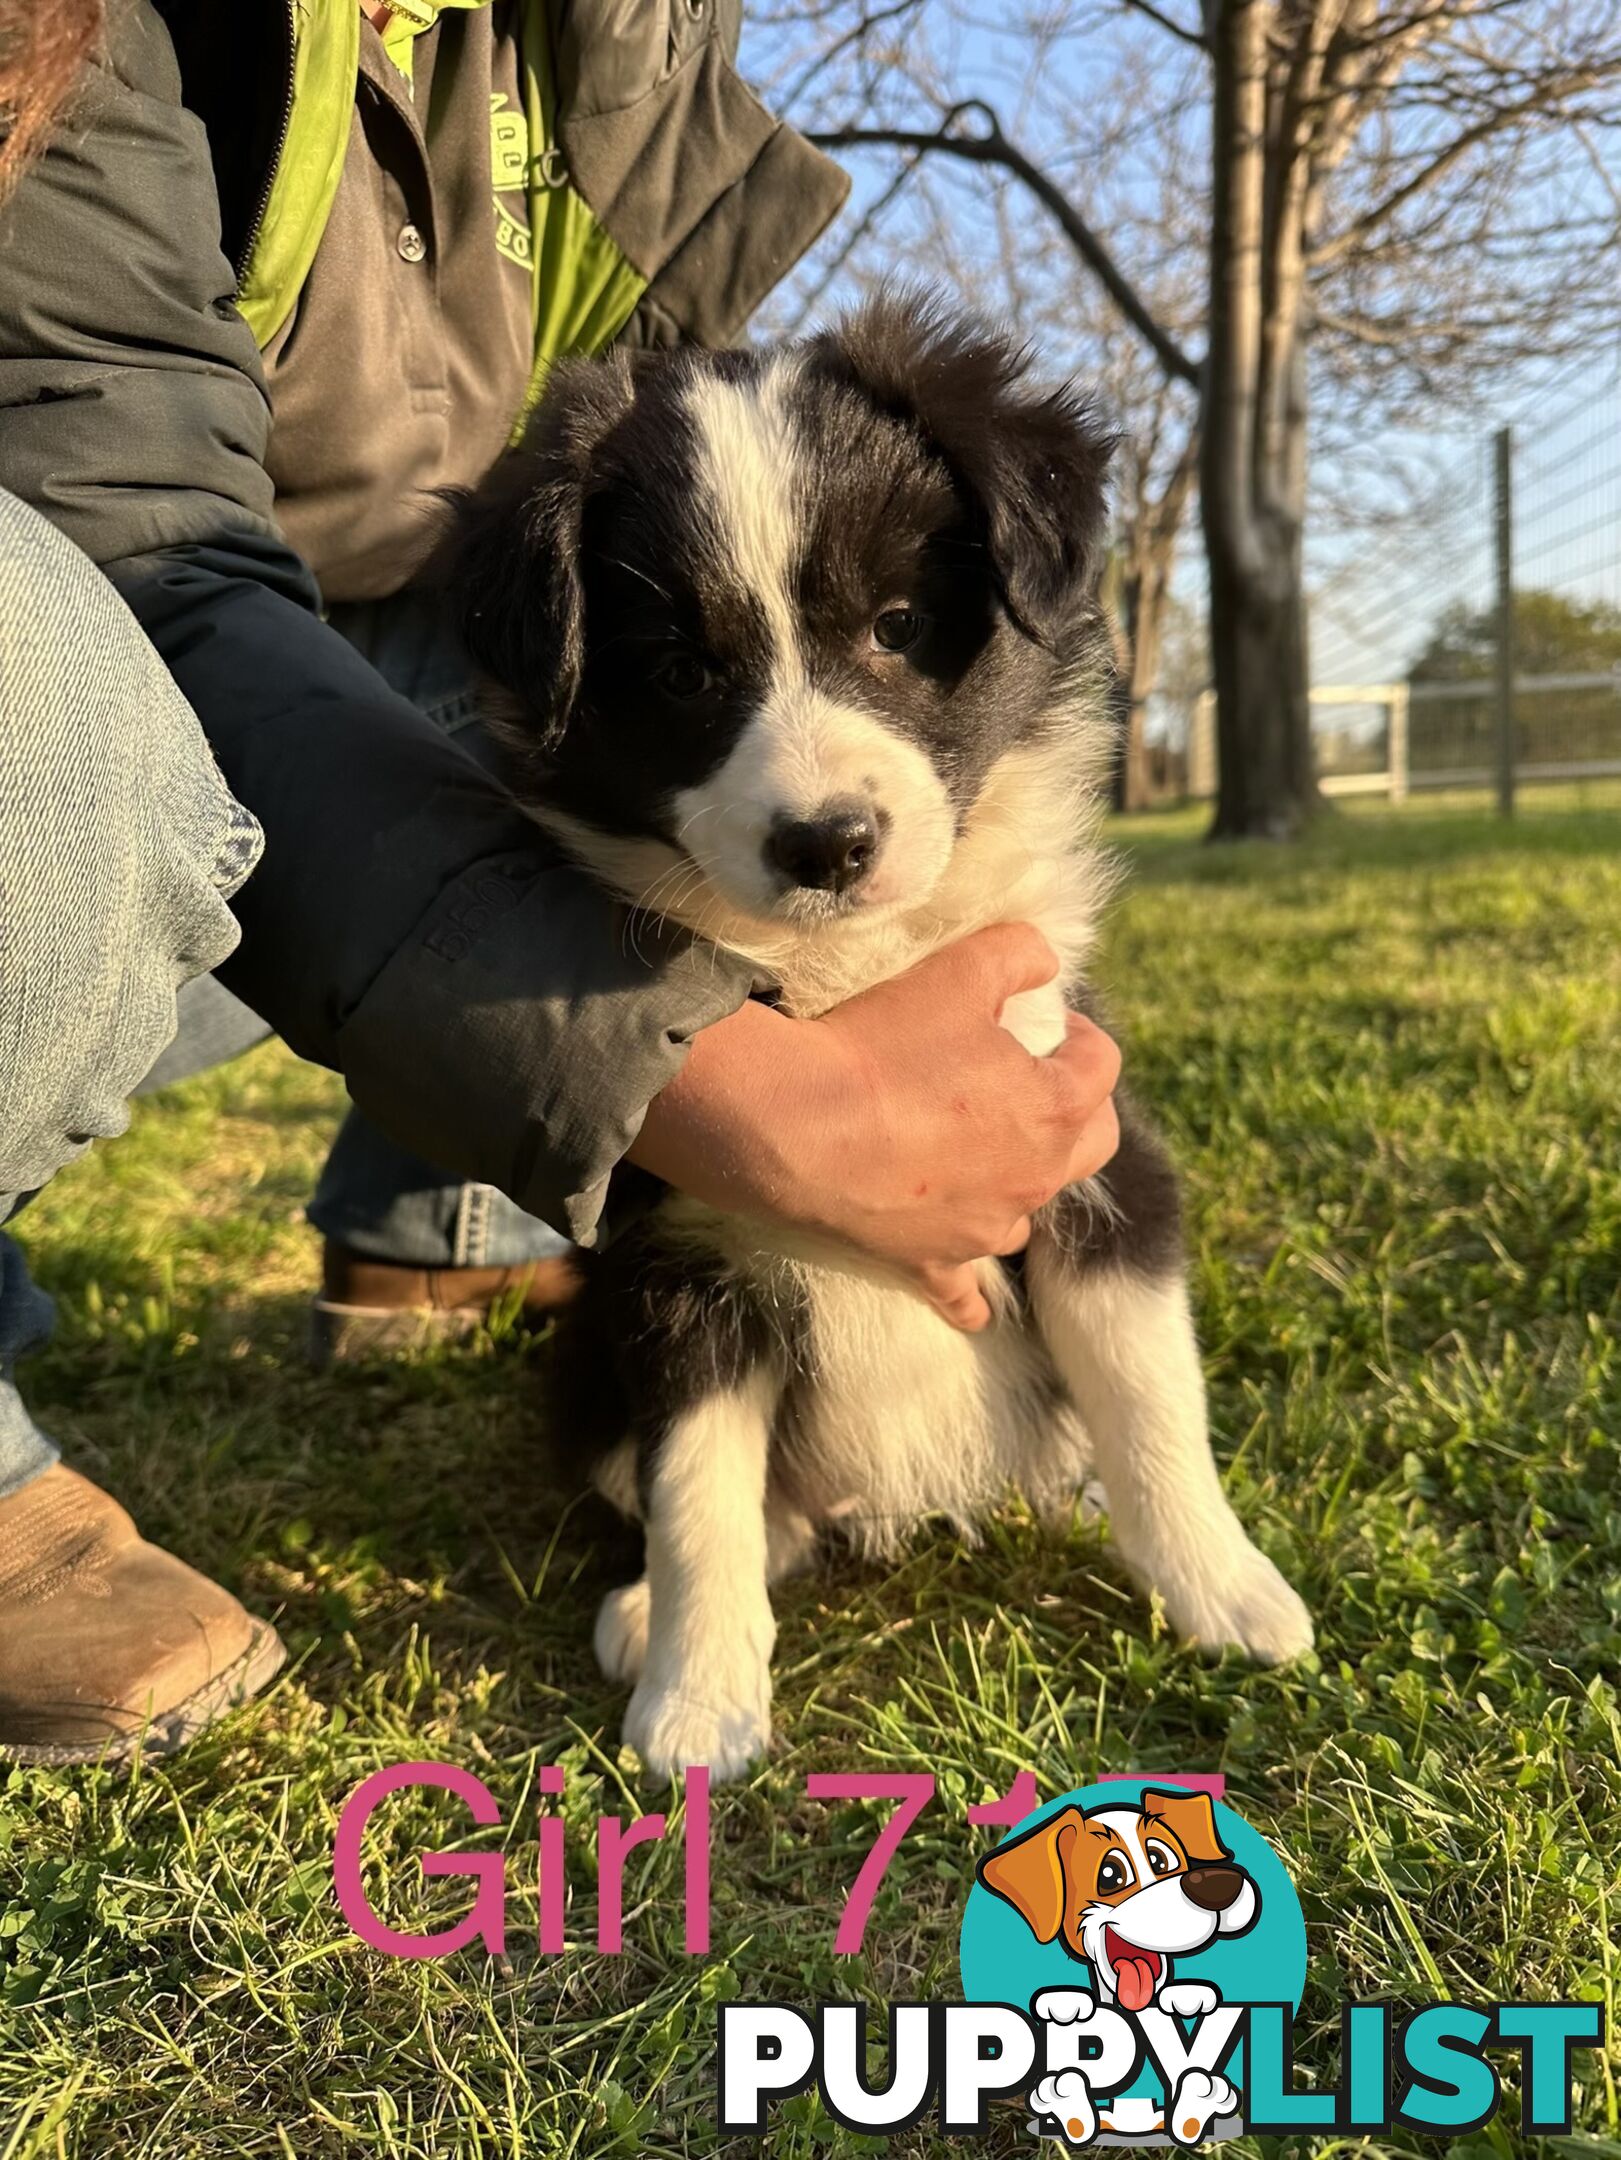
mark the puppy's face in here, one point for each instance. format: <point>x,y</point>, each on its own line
<point>1126,1888</point>
<point>766,622</point>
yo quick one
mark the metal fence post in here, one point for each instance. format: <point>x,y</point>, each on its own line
<point>1503,466</point>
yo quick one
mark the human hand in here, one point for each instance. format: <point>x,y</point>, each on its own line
<point>905,1123</point>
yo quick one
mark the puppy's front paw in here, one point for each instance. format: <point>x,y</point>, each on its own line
<point>1064,2097</point>
<point>620,1640</point>
<point>1202,2097</point>
<point>1248,1605</point>
<point>671,1730</point>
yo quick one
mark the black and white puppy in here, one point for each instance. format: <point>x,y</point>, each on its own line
<point>798,647</point>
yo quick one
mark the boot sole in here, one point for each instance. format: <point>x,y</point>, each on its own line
<point>170,1729</point>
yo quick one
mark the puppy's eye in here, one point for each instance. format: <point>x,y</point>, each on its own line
<point>898,629</point>
<point>1161,1859</point>
<point>1114,1875</point>
<point>682,675</point>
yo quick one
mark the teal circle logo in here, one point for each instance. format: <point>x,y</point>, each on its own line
<point>1141,1896</point>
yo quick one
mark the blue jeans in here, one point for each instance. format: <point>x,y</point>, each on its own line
<point>119,847</point>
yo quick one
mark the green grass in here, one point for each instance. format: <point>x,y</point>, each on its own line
<point>1391,1067</point>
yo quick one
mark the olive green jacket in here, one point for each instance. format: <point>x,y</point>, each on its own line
<point>406,924</point>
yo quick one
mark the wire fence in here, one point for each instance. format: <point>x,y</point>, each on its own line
<point>1475,639</point>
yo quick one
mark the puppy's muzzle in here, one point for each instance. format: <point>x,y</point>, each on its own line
<point>831,851</point>
<point>1213,1888</point>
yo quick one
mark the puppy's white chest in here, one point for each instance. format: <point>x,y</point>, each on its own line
<point>901,1416</point>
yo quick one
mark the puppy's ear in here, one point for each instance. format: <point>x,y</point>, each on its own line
<point>509,569</point>
<point>1029,1873</point>
<point>1034,461</point>
<point>1191,1820</point>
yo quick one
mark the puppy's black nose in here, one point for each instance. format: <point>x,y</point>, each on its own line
<point>829,852</point>
<point>1214,1888</point>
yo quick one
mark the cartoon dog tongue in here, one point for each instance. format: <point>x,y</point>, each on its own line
<point>1134,1981</point>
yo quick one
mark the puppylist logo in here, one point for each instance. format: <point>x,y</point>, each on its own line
<point>1133,1956</point>
<point>1138,1931</point>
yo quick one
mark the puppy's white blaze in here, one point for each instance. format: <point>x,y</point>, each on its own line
<point>746,467</point>
<point>802,751</point>
<point>1125,1347</point>
<point>1126,1823</point>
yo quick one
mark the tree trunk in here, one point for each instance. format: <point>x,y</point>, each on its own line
<point>1144,616</point>
<point>1265,787</point>
<point>1253,457</point>
<point>1112,596</point>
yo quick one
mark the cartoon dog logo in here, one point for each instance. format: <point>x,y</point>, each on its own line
<point>1127,1889</point>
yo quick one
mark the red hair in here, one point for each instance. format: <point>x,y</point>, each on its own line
<point>43,45</point>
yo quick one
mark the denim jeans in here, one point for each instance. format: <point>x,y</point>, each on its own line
<point>119,848</point>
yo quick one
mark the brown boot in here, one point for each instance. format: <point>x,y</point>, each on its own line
<point>370,1307</point>
<point>108,1644</point>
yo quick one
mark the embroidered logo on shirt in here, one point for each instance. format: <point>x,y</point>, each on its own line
<point>509,162</point>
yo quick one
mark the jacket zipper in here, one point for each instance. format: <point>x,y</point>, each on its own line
<point>251,239</point>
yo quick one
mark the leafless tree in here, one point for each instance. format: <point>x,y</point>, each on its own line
<point>1406,193</point>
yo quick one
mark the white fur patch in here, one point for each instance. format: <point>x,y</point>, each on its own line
<point>704,1694</point>
<point>801,752</point>
<point>1027,854</point>
<point>747,471</point>
<point>1127,1352</point>
<point>906,1418</point>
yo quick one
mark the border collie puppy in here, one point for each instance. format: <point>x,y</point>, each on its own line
<point>799,648</point>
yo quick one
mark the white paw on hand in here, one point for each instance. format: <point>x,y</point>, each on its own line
<point>620,1640</point>
<point>1248,1605</point>
<point>672,1730</point>
<point>1064,2006</point>
<point>1202,2097</point>
<point>1188,1998</point>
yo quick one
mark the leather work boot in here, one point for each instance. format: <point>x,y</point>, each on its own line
<point>109,1645</point>
<point>370,1307</point>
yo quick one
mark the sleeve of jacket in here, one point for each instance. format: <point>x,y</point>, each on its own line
<point>407,925</point>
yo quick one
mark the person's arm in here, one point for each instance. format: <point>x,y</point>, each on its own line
<point>406,924</point>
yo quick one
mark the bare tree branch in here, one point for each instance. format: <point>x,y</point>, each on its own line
<point>993,148</point>
<point>1434,168</point>
<point>856,35</point>
<point>1165,22</point>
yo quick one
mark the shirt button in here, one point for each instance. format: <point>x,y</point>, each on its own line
<point>411,244</point>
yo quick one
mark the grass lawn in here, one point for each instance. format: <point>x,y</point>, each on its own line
<point>1391,1067</point>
